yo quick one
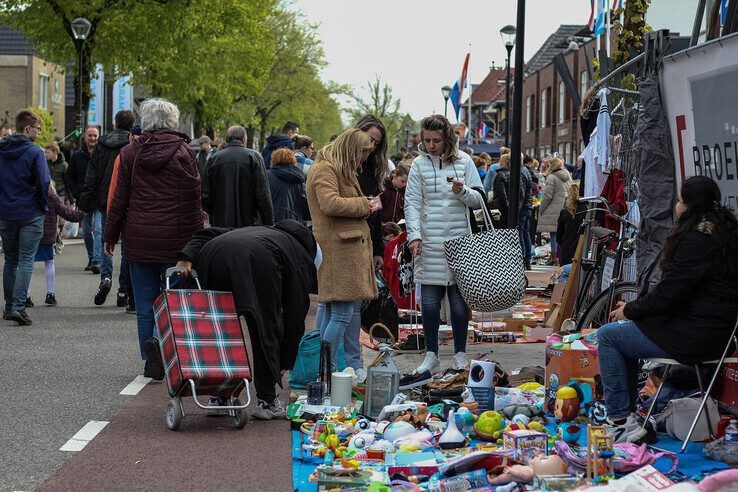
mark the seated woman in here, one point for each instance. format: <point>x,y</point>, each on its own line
<point>687,316</point>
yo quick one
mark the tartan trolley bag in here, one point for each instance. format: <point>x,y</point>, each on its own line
<point>203,349</point>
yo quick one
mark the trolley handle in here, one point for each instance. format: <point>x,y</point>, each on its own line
<point>171,271</point>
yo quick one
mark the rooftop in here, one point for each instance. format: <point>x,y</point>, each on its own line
<point>555,44</point>
<point>492,87</point>
<point>14,43</point>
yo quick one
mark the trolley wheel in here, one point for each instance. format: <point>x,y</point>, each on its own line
<point>240,417</point>
<point>174,414</point>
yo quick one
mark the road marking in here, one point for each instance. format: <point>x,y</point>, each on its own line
<point>84,435</point>
<point>135,386</point>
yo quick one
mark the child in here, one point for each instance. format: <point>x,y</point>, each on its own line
<point>393,196</point>
<point>390,230</point>
<point>45,250</point>
<point>567,230</point>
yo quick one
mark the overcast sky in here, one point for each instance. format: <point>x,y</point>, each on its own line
<point>418,46</point>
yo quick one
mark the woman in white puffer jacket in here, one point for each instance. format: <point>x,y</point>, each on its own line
<point>437,199</point>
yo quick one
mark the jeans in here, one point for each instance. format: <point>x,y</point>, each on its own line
<point>620,345</point>
<point>565,272</point>
<point>338,324</point>
<point>524,230</point>
<point>430,301</point>
<point>20,242</point>
<point>554,244</point>
<point>148,282</point>
<point>92,230</point>
<point>106,262</point>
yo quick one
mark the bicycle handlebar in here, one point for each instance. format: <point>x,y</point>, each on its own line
<point>608,208</point>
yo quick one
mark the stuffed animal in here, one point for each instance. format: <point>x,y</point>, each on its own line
<point>530,411</point>
<point>489,423</point>
<point>569,433</point>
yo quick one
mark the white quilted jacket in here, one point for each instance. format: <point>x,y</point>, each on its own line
<point>434,214</point>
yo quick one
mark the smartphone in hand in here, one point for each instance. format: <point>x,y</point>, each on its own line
<point>376,203</point>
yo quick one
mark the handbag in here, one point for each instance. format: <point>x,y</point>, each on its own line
<point>382,309</point>
<point>307,364</point>
<point>488,267</point>
<point>678,416</point>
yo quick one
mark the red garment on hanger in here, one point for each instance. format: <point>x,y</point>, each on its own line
<point>614,192</point>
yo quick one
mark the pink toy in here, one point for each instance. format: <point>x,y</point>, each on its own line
<point>516,473</point>
<point>723,481</point>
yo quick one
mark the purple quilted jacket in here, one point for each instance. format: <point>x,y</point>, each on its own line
<point>56,207</point>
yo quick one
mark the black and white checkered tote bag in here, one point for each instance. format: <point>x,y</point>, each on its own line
<point>488,267</point>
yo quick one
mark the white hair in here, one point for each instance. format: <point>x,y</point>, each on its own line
<point>159,114</point>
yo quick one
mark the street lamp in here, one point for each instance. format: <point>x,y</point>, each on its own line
<point>80,30</point>
<point>446,91</point>
<point>507,34</point>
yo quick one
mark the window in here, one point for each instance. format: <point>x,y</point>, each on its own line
<point>584,82</point>
<point>562,107</point>
<point>561,151</point>
<point>43,90</point>
<point>527,113</point>
<point>569,156</point>
<point>543,108</point>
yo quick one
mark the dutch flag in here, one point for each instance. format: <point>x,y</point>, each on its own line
<point>458,89</point>
<point>482,130</point>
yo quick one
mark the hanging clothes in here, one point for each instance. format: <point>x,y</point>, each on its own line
<point>597,152</point>
<point>614,192</point>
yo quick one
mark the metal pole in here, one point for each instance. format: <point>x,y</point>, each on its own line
<point>80,115</point>
<point>445,107</point>
<point>697,23</point>
<point>517,113</point>
<point>507,97</point>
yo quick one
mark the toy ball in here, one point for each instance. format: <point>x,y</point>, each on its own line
<point>361,441</point>
<point>397,430</point>
<point>521,419</point>
<point>489,422</point>
<point>363,425</point>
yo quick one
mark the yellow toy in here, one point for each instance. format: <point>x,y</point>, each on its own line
<point>600,454</point>
<point>488,424</point>
<point>531,386</point>
<point>537,426</point>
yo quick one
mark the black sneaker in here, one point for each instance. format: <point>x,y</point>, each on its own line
<point>102,291</point>
<point>633,430</point>
<point>131,309</point>
<point>20,317</point>
<point>50,299</point>
<point>29,302</point>
<point>415,380</point>
<point>88,268</point>
<point>122,300</point>
<point>154,365</point>
<point>95,268</point>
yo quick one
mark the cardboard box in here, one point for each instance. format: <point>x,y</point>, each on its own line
<point>528,442</point>
<point>576,361</point>
<point>517,324</point>
<point>537,332</point>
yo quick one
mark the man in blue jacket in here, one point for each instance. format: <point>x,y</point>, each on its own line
<point>24,185</point>
<point>275,142</point>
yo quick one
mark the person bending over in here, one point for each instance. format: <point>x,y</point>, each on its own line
<point>687,316</point>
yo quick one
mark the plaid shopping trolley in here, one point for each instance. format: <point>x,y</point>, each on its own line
<point>203,349</point>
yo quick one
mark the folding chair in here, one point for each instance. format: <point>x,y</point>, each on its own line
<point>704,393</point>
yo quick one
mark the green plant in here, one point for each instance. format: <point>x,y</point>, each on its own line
<point>630,37</point>
<point>47,127</point>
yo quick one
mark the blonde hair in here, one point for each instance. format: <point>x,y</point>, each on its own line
<point>438,123</point>
<point>401,169</point>
<point>504,151</point>
<point>53,146</point>
<point>572,197</point>
<point>505,161</point>
<point>345,152</point>
<point>554,164</point>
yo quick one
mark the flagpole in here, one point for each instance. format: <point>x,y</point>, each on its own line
<point>469,104</point>
<point>607,27</point>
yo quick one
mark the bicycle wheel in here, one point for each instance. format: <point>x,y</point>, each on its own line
<point>597,312</point>
<point>590,290</point>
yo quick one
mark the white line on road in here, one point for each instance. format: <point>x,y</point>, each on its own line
<point>84,435</point>
<point>135,386</point>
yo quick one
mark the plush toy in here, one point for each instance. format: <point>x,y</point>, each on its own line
<point>487,425</point>
<point>531,386</point>
<point>567,404</point>
<point>530,411</point>
<point>569,433</point>
<point>537,426</point>
<point>362,440</point>
<point>521,419</point>
<point>516,473</point>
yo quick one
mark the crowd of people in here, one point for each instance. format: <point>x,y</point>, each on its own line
<point>276,226</point>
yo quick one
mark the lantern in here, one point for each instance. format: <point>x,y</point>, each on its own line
<point>382,382</point>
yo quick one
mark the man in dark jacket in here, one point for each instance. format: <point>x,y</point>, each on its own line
<point>97,182</point>
<point>24,186</point>
<point>263,267</point>
<point>206,152</point>
<point>76,173</point>
<point>235,192</point>
<point>278,141</point>
<point>526,210</point>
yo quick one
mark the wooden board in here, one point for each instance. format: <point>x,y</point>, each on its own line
<point>566,309</point>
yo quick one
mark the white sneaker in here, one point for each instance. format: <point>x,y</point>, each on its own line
<point>430,363</point>
<point>460,361</point>
<point>269,411</point>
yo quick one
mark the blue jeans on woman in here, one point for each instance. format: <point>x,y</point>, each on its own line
<point>554,244</point>
<point>338,323</point>
<point>431,297</point>
<point>148,283</point>
<point>619,346</point>
<point>20,243</point>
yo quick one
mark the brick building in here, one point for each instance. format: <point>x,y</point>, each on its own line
<point>488,101</point>
<point>27,80</point>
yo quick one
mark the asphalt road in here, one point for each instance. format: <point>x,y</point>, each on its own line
<point>68,369</point>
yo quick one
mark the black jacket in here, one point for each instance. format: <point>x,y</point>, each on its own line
<point>77,170</point>
<point>501,193</point>
<point>287,187</point>
<point>235,192</point>
<point>100,170</point>
<point>370,187</point>
<point>271,272</point>
<point>693,308</point>
<point>567,232</point>
<point>273,143</point>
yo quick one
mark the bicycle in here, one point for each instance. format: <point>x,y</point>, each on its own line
<point>593,305</point>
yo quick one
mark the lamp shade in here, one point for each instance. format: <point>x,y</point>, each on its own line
<point>81,28</point>
<point>507,34</point>
<point>446,91</point>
